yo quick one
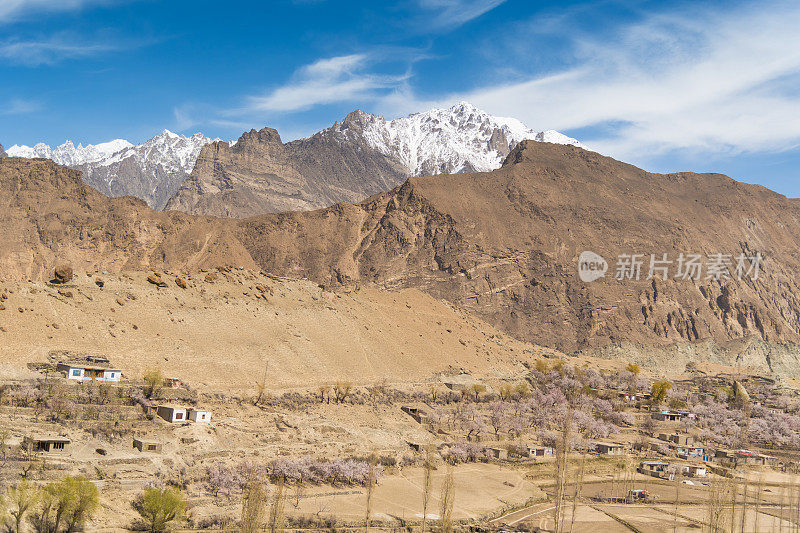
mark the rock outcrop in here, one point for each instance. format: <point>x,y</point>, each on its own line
<point>260,174</point>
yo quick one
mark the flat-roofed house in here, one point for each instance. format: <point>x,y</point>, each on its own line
<point>609,448</point>
<point>172,413</point>
<point>82,372</point>
<point>146,445</point>
<point>198,415</point>
<point>46,443</point>
<point>540,451</point>
<point>652,468</point>
<point>416,413</point>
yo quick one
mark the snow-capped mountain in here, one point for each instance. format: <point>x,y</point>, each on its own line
<point>68,154</point>
<point>444,141</point>
<point>351,160</point>
<point>152,171</point>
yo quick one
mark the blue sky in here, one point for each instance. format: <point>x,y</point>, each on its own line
<point>703,86</point>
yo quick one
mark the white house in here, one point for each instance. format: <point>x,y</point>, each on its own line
<point>77,372</point>
<point>196,415</point>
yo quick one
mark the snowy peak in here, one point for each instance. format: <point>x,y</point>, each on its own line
<point>152,171</point>
<point>68,154</point>
<point>462,138</point>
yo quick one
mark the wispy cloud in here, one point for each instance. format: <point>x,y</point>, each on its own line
<point>14,9</point>
<point>326,81</point>
<point>50,50</point>
<point>19,106</point>
<point>450,14</point>
<point>700,81</point>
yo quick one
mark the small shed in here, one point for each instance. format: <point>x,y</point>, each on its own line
<point>498,453</point>
<point>46,443</point>
<point>609,448</point>
<point>172,413</point>
<point>677,438</point>
<point>146,445</point>
<point>197,415</point>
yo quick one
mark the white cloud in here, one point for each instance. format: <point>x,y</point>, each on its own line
<point>454,13</point>
<point>13,9</point>
<point>326,81</point>
<point>49,51</point>
<point>699,81</point>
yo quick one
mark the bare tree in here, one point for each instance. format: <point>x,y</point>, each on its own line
<point>428,467</point>
<point>446,503</point>
<point>370,488</point>
<point>276,510</point>
<point>261,386</point>
<point>341,390</point>
<point>253,507</point>
<point>562,451</point>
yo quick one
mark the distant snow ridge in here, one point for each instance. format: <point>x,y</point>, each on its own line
<point>68,154</point>
<point>444,141</point>
<point>152,171</point>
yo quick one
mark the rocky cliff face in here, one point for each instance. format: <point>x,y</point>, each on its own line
<point>260,174</point>
<point>2,151</point>
<point>50,216</point>
<point>503,245</point>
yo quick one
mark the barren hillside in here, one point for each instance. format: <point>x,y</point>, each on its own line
<point>503,245</point>
<point>221,334</point>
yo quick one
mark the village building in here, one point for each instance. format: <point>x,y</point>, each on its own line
<point>676,438</point>
<point>46,443</point>
<point>691,470</point>
<point>197,415</point>
<point>652,468</point>
<point>668,416</point>
<point>172,413</point>
<point>498,453</point>
<point>85,372</point>
<point>146,445</point>
<point>540,451</point>
<point>689,451</point>
<point>737,457</point>
<point>609,448</point>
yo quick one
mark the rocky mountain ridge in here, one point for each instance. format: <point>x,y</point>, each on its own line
<point>502,245</point>
<point>363,155</point>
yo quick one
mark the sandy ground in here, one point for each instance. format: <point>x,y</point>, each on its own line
<point>222,335</point>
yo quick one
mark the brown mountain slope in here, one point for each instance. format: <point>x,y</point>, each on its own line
<point>49,216</point>
<point>259,174</point>
<point>503,245</point>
